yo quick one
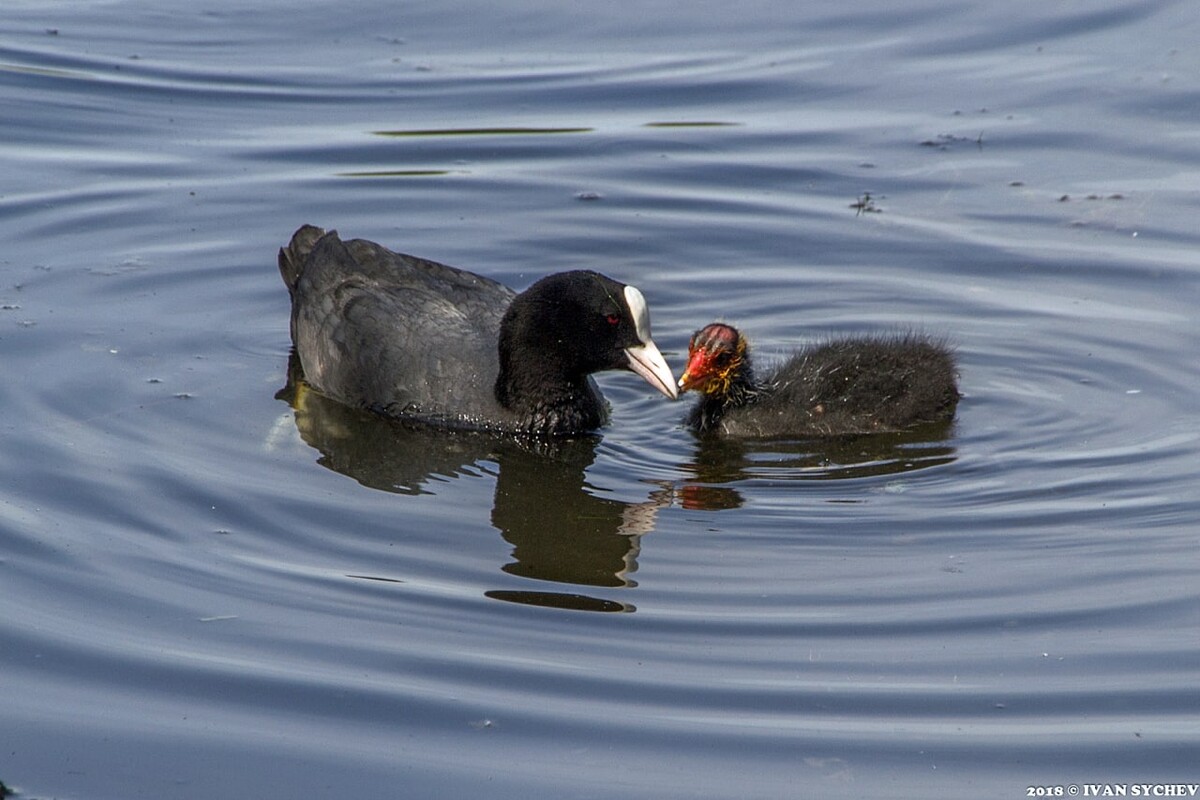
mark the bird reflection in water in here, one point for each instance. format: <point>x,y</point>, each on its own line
<point>543,506</point>
<point>720,462</point>
<point>559,530</point>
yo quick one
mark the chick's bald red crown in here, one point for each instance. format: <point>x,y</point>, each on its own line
<point>714,355</point>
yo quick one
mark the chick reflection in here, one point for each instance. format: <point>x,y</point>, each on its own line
<point>559,530</point>
<point>722,460</point>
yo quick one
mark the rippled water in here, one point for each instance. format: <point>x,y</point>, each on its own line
<point>215,585</point>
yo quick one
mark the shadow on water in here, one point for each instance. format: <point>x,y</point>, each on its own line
<point>559,530</point>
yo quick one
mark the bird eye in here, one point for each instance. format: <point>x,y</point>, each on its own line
<point>612,319</point>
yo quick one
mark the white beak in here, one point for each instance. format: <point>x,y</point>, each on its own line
<point>645,360</point>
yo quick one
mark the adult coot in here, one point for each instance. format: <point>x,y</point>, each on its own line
<point>842,386</point>
<point>411,338</point>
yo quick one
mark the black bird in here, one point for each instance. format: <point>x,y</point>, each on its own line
<point>414,339</point>
<point>843,386</point>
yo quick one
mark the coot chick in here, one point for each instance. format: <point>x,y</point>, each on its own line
<point>414,339</point>
<point>842,386</point>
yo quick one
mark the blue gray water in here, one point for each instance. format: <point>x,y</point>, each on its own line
<point>215,588</point>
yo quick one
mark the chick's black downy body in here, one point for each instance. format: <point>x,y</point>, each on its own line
<point>843,386</point>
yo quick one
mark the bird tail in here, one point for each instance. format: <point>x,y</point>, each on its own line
<point>292,257</point>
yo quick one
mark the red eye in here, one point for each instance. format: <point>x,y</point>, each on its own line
<point>613,319</point>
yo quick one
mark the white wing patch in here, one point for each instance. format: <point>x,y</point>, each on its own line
<point>640,313</point>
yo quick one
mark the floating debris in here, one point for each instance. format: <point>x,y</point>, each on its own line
<point>1094,196</point>
<point>865,205</point>
<point>943,141</point>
